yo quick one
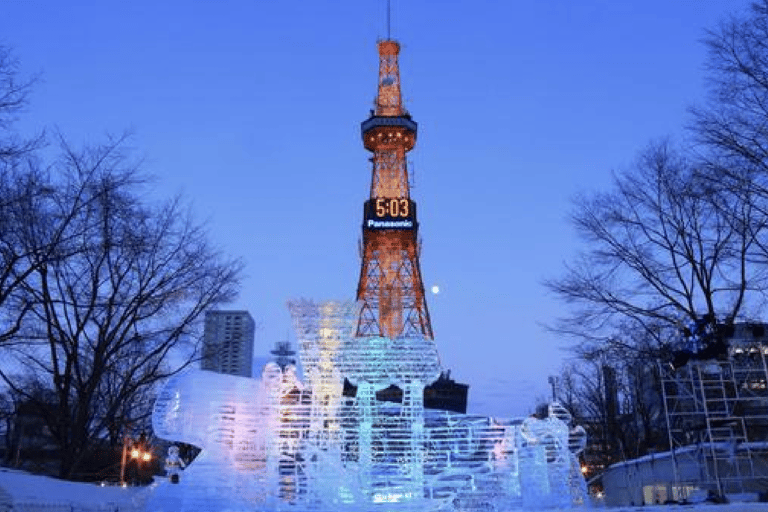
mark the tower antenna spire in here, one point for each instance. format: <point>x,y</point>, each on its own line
<point>389,14</point>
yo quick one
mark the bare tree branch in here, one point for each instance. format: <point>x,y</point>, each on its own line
<point>119,293</point>
<point>661,249</point>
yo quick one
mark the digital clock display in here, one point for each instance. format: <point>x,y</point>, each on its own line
<point>389,213</point>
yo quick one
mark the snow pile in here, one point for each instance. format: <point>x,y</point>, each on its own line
<point>21,491</point>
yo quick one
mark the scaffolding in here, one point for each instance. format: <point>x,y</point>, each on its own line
<point>717,416</point>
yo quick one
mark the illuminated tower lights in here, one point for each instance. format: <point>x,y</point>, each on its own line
<point>390,287</point>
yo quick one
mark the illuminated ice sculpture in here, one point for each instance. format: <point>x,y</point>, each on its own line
<point>277,443</point>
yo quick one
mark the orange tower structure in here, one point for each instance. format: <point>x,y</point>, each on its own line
<point>390,289</point>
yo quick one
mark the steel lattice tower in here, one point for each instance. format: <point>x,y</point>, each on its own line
<point>390,289</point>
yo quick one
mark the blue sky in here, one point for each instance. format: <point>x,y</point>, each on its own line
<point>251,109</point>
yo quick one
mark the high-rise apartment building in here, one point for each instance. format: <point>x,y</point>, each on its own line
<point>228,342</point>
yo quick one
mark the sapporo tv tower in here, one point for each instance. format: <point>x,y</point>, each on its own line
<point>390,289</point>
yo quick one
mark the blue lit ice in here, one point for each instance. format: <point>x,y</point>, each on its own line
<point>281,443</point>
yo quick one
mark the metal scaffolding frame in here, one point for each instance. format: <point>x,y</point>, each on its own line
<point>717,416</point>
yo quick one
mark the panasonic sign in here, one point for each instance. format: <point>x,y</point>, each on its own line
<point>389,224</point>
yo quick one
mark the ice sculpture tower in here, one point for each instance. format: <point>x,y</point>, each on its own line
<point>390,288</point>
<point>320,329</point>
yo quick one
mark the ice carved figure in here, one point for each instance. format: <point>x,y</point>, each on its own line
<point>279,444</point>
<point>173,464</point>
<point>234,422</point>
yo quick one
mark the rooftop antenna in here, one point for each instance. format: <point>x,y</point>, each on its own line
<point>388,18</point>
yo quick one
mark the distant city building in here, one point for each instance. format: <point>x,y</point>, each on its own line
<point>228,342</point>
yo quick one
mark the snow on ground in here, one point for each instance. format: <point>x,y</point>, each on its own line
<point>730,507</point>
<point>22,492</point>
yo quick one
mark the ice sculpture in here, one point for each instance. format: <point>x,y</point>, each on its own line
<point>276,443</point>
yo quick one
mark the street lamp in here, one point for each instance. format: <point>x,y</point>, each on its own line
<point>134,454</point>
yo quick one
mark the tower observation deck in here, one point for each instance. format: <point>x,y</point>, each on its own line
<point>390,290</point>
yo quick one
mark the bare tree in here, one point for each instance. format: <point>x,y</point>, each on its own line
<point>680,238</point>
<point>22,187</point>
<point>666,246</point>
<point>662,250</point>
<point>36,227</point>
<point>19,193</point>
<point>14,95</point>
<point>683,236</point>
<point>733,126</point>
<point>613,393</point>
<point>121,291</point>
<point>6,425</point>
<point>734,123</point>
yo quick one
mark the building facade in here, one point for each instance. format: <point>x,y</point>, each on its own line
<point>228,342</point>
